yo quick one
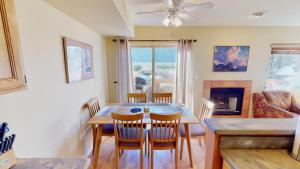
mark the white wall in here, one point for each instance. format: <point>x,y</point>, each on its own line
<point>112,72</point>
<point>48,118</point>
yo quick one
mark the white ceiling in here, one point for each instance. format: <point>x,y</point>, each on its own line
<point>225,13</point>
<point>107,17</point>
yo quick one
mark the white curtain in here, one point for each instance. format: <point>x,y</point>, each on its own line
<point>184,73</point>
<point>124,69</point>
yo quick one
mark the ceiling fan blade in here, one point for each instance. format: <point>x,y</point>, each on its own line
<point>151,12</point>
<point>173,3</point>
<point>185,16</point>
<point>177,3</point>
<point>169,3</point>
<point>197,7</point>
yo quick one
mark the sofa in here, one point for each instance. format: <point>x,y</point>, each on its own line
<point>275,104</point>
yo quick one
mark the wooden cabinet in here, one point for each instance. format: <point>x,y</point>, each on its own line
<point>258,159</point>
<point>12,76</point>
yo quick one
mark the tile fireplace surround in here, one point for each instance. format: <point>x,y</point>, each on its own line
<point>246,84</point>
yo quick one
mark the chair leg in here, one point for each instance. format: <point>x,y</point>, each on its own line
<point>176,156</point>
<point>200,140</point>
<point>94,138</point>
<point>141,157</point>
<point>181,147</point>
<point>149,147</point>
<point>146,144</point>
<point>145,148</point>
<point>152,158</point>
<point>117,157</point>
<point>189,145</point>
<point>204,141</point>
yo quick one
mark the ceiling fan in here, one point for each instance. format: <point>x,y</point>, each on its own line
<point>176,11</point>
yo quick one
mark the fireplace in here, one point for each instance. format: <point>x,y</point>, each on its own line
<point>228,101</point>
<point>231,97</point>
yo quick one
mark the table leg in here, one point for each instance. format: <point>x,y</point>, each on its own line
<point>188,140</point>
<point>97,146</point>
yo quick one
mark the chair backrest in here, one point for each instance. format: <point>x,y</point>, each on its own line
<point>126,129</point>
<point>165,127</point>
<point>137,97</point>
<point>162,97</point>
<point>93,106</point>
<point>206,109</point>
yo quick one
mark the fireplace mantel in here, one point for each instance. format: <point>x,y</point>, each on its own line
<point>246,84</point>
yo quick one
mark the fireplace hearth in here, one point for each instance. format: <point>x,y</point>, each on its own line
<point>228,101</point>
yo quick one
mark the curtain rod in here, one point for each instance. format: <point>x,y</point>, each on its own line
<point>193,40</point>
<point>283,44</point>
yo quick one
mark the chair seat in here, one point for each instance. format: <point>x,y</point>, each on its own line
<point>132,133</point>
<point>195,129</point>
<point>108,129</point>
<point>130,144</point>
<point>164,144</point>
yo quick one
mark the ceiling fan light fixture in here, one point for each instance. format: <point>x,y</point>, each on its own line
<point>177,22</point>
<point>166,21</point>
<point>172,21</point>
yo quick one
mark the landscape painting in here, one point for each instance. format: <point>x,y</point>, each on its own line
<point>78,60</point>
<point>231,58</point>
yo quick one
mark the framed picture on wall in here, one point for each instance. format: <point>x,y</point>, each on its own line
<point>78,60</point>
<point>231,58</point>
<point>12,76</point>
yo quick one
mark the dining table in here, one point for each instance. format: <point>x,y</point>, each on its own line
<point>104,117</point>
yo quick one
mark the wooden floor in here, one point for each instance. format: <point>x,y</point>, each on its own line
<point>163,159</point>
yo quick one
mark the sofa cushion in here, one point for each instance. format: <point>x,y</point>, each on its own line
<point>295,106</point>
<point>280,99</point>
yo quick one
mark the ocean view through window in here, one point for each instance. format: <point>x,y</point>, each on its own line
<point>154,69</point>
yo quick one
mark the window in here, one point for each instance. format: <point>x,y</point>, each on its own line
<point>165,70</point>
<point>154,68</point>
<point>284,72</point>
<point>141,68</point>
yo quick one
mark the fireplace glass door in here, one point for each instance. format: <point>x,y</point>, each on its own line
<point>228,101</point>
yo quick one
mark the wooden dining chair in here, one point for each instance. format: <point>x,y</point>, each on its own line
<point>107,129</point>
<point>129,135</point>
<point>162,97</point>
<point>164,134</point>
<point>137,97</point>
<point>197,130</point>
